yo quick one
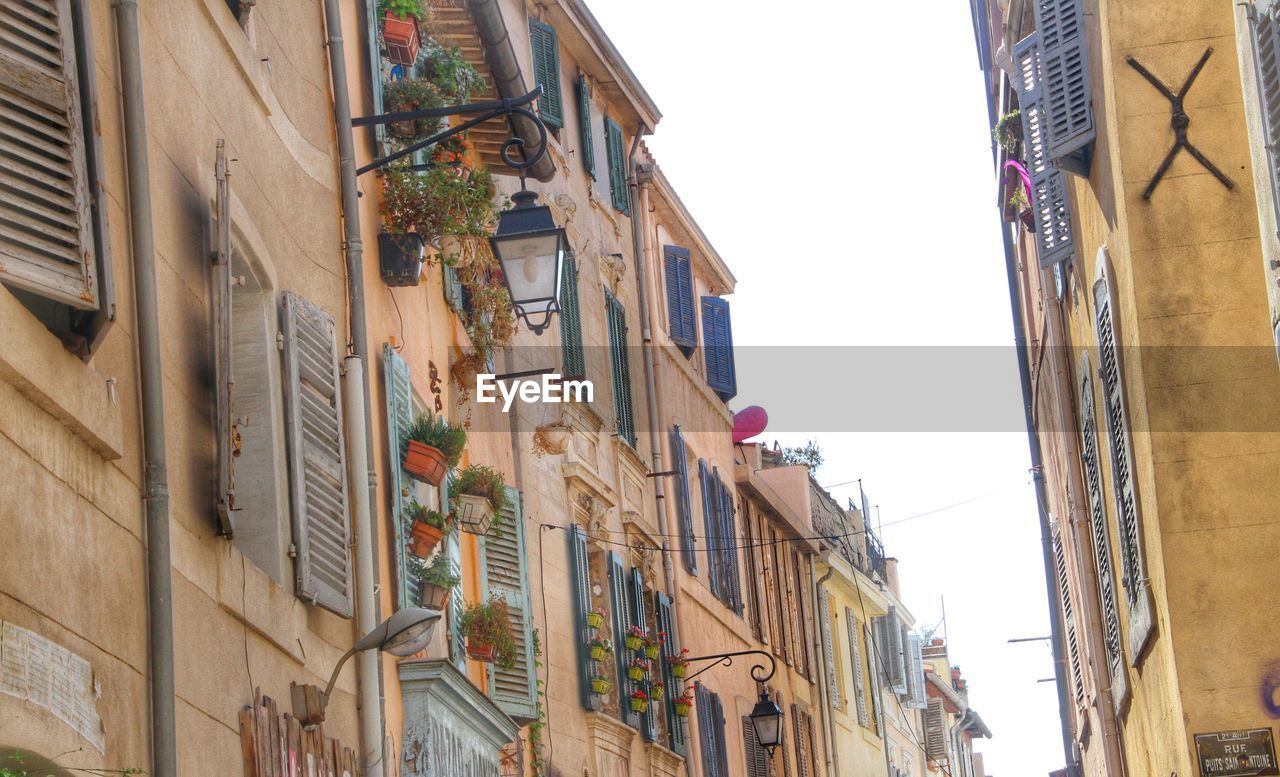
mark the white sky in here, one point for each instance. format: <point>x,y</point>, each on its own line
<point>838,157</point>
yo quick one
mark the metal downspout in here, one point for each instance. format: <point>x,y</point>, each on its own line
<point>151,377</point>
<point>368,668</point>
<point>824,693</point>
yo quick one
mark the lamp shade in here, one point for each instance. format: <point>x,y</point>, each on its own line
<point>766,719</point>
<point>406,632</point>
<point>530,248</point>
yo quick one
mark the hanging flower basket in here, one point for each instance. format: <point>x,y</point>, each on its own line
<point>636,673</point>
<point>679,663</point>
<point>598,653</point>
<point>425,462</point>
<point>601,685</point>
<point>635,643</point>
<point>639,702</point>
<point>475,513</point>
<point>679,670</point>
<point>682,706</point>
<point>652,651</point>
<point>657,691</point>
<point>595,619</point>
<point>402,38</point>
<point>400,258</point>
<point>434,597</point>
<point>481,651</point>
<point>424,539</point>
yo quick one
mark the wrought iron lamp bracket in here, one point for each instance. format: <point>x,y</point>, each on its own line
<point>758,671</point>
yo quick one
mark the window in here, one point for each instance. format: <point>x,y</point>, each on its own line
<point>240,9</point>
<point>617,166</point>
<point>678,273</point>
<point>504,568</point>
<point>684,502</point>
<point>715,760</point>
<point>857,658</point>
<point>546,72</point>
<point>584,127</point>
<point>581,563</point>
<point>1048,190</point>
<point>617,320</point>
<point>717,337</point>
<point>571,321</point>
<point>53,237</point>
<point>722,551</point>
<point>889,650</point>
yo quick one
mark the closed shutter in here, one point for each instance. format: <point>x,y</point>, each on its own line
<point>399,419</point>
<point>581,564</point>
<point>706,730</point>
<point>721,745</point>
<point>546,71</point>
<point>731,580</point>
<point>875,660</point>
<point>678,274</point>
<point>317,457</point>
<point>457,605</point>
<point>46,221</point>
<point>935,731</point>
<point>717,339</point>
<point>757,758</point>
<point>452,287</point>
<point>617,319</point>
<point>1266,51</point>
<point>584,127</point>
<point>224,376</point>
<point>917,697</point>
<point>617,166</point>
<point>710,510</point>
<point>889,651</point>
<point>639,617</point>
<point>828,649</point>
<point>571,321</point>
<point>855,653</point>
<point>1069,619</point>
<point>1050,203</point>
<point>621,614</point>
<point>804,756</point>
<point>667,623</point>
<point>1068,95</point>
<point>505,570</point>
<point>684,502</point>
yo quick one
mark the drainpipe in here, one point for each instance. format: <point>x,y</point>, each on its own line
<point>368,670</point>
<point>151,377</point>
<point>828,742</point>
<point>353,381</point>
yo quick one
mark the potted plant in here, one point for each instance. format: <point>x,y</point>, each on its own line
<point>412,94</point>
<point>601,685</point>
<point>450,72</point>
<point>1019,204</point>
<point>682,705</point>
<point>653,646</point>
<point>401,34</point>
<point>487,627</point>
<point>595,619</point>
<point>551,439</point>
<point>638,669</point>
<point>1008,130</point>
<point>600,649</point>
<point>434,448</point>
<point>639,701</point>
<point>436,580</point>
<point>429,527</point>
<point>679,663</point>
<point>479,496</point>
<point>657,690</point>
<point>635,638</point>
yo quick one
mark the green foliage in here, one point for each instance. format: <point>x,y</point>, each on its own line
<point>809,454</point>
<point>484,481</point>
<point>450,73</point>
<point>433,430</point>
<point>536,748</point>
<point>413,94</point>
<point>438,571</point>
<point>490,623</point>
<point>1007,131</point>
<point>1018,200</point>
<point>402,8</point>
<point>442,201</point>
<point>431,518</point>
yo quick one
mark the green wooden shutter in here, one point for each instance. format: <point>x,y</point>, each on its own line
<point>505,570</point>
<point>617,166</point>
<point>828,649</point>
<point>706,730</point>
<point>317,456</point>
<point>729,549</point>
<point>584,124</point>
<point>581,564</point>
<point>684,502</point>
<point>399,418</point>
<point>575,364</point>
<point>639,617</point>
<point>546,71</point>
<point>709,509</point>
<point>717,337</point>
<point>667,623</point>
<point>621,614</point>
<point>678,275</point>
<point>617,320</point>
<point>457,605</point>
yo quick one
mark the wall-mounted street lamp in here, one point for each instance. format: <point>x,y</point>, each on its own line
<point>406,632</point>
<point>766,717</point>
<point>528,244</point>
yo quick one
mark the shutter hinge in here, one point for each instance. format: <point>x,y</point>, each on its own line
<point>293,550</point>
<point>279,341</point>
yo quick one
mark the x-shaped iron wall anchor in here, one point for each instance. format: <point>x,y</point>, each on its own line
<point>1180,121</point>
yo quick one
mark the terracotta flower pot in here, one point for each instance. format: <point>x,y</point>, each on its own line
<point>601,686</point>
<point>434,597</point>
<point>682,709</point>
<point>425,463</point>
<point>481,651</point>
<point>639,705</point>
<point>425,538</point>
<point>402,39</point>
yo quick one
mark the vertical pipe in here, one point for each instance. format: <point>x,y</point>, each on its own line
<point>353,381</point>
<point>151,378</point>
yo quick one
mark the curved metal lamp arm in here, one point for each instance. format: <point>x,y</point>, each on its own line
<point>333,678</point>
<point>758,671</point>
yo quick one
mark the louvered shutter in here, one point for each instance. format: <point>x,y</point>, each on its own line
<point>622,407</point>
<point>621,613</point>
<point>317,457</point>
<point>581,564</point>
<point>935,731</point>
<point>721,746</point>
<point>855,653</point>
<point>678,275</point>
<point>757,758</point>
<point>452,288</point>
<point>546,70</point>
<point>399,419</point>
<point>889,646</point>
<point>1266,50</point>
<point>875,661</point>
<point>1069,621</point>
<point>917,697</point>
<point>46,221</point>
<point>639,616</point>
<point>706,730</point>
<point>584,126</point>
<point>617,166</point>
<point>710,512</point>
<point>803,759</point>
<point>828,649</point>
<point>571,320</point>
<point>226,432</point>
<point>667,623</point>
<point>731,580</point>
<point>684,502</point>
<point>505,570</point>
<point>1068,95</point>
<point>717,339</point>
<point>1050,203</point>
<point>457,605</point>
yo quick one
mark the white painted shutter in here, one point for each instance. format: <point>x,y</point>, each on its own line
<point>317,457</point>
<point>457,605</point>
<point>855,653</point>
<point>46,227</point>
<point>226,433</point>
<point>833,682</point>
<point>1069,620</point>
<point>877,714</point>
<point>399,386</point>
<point>917,698</point>
<point>1049,201</point>
<point>1068,93</point>
<point>935,731</point>
<point>506,576</point>
<point>1266,52</point>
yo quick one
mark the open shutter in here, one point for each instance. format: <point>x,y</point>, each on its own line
<point>684,502</point>
<point>1049,203</point>
<point>855,657</point>
<point>667,623</point>
<point>706,729</point>
<point>710,510</point>
<point>678,274</point>
<point>621,612</point>
<point>584,126</point>
<point>1069,619</point>
<point>546,71</point>
<point>617,166</point>
<point>317,457</point>
<point>804,764</point>
<point>757,758</point>
<point>575,365</point>
<point>935,731</point>
<point>505,569</point>
<point>46,221</point>
<point>828,649</point>
<point>721,746</point>
<point>917,696</point>
<point>732,581</point>
<point>1064,62</point>
<point>717,338</point>
<point>1266,51</point>
<point>399,419</point>
<point>581,563</point>
<point>457,605</point>
<point>452,288</point>
<point>224,381</point>
<point>639,617</point>
<point>617,320</point>
<point>875,660</point>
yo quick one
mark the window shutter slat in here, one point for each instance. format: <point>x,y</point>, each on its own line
<point>757,759</point>
<point>667,623</point>
<point>677,269</point>
<point>1266,49</point>
<point>571,321</point>
<point>717,336</point>
<point>1069,621</point>
<point>317,457</point>
<point>582,598</point>
<point>855,653</point>
<point>584,124</point>
<point>617,166</point>
<point>505,570</point>
<point>935,731</point>
<point>639,617</point>
<point>399,417</point>
<point>546,69</point>
<point>1064,63</point>
<point>828,649</point>
<point>622,406</point>
<point>684,504</point>
<point>710,497</point>
<point>46,226</point>
<point>1050,204</point>
<point>621,614</point>
<point>224,381</point>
